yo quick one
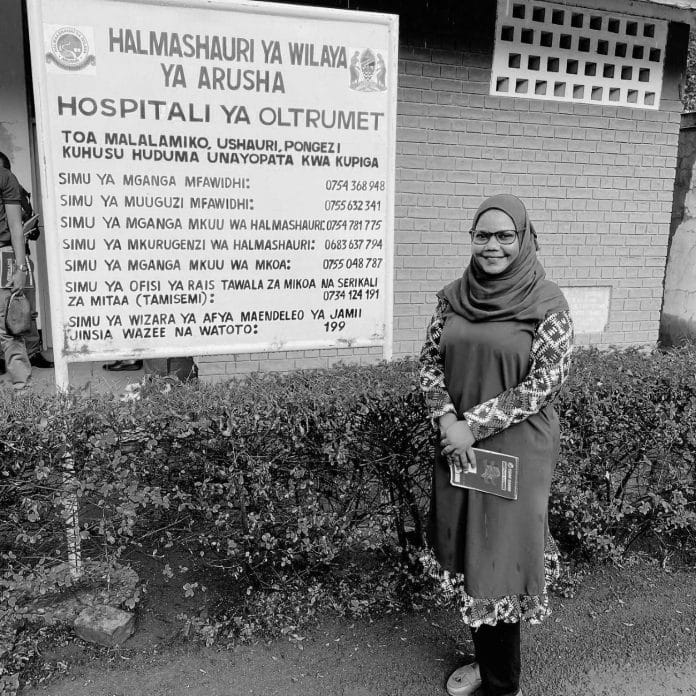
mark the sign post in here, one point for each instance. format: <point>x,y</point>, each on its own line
<point>218,177</point>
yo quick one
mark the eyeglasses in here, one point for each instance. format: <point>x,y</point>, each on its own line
<point>504,237</point>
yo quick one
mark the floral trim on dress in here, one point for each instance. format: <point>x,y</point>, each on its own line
<point>510,609</point>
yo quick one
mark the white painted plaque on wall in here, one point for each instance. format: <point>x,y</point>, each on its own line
<point>218,176</point>
<point>589,308</point>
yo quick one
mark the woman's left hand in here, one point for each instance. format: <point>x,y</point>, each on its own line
<point>458,440</point>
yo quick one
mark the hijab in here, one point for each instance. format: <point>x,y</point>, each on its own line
<point>521,292</point>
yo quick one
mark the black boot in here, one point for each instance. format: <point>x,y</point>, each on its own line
<point>497,651</point>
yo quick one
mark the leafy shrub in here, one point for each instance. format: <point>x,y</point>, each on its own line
<point>310,490</point>
<point>280,482</point>
<point>628,442</point>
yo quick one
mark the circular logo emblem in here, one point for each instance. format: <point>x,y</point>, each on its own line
<point>70,49</point>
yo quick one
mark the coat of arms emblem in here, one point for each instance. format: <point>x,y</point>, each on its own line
<point>368,71</point>
<point>70,50</point>
<point>491,474</point>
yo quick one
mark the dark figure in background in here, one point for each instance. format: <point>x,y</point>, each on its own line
<point>14,271</point>
<point>496,354</point>
<point>32,340</point>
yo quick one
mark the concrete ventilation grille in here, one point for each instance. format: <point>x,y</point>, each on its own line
<point>548,51</point>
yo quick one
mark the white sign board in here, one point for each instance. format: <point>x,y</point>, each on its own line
<point>218,176</point>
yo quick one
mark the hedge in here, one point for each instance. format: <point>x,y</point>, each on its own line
<point>313,486</point>
<point>628,442</point>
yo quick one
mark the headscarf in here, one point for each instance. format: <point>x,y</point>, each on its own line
<point>521,292</point>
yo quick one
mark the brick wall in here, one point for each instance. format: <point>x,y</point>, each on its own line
<point>597,181</point>
<point>217,367</point>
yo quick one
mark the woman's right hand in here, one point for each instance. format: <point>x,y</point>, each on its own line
<point>457,442</point>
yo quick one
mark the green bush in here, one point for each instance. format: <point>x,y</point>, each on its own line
<point>279,481</point>
<point>628,442</point>
<point>310,490</point>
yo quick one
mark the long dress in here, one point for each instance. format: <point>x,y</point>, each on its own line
<point>495,555</point>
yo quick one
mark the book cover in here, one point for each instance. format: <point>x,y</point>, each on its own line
<point>495,473</point>
<point>7,268</point>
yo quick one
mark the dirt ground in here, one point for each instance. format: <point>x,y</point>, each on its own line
<point>628,631</point>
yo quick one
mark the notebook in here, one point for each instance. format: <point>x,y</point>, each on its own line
<point>495,473</point>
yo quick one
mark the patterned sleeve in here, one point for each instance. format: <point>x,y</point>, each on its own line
<point>432,372</point>
<point>550,361</point>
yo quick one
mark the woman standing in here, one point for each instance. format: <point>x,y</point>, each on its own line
<point>496,353</point>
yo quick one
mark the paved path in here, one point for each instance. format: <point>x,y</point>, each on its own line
<point>628,632</point>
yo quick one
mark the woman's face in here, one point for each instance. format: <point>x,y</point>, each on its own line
<point>494,257</point>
